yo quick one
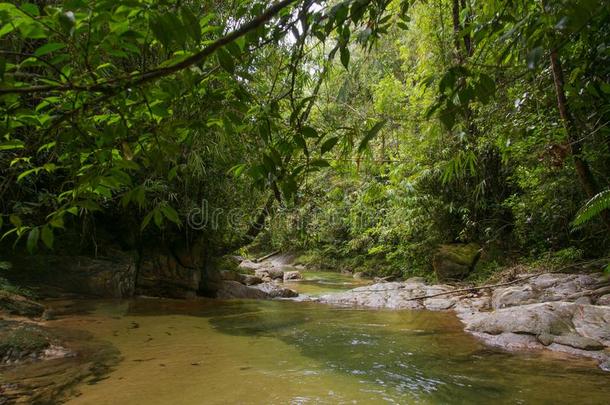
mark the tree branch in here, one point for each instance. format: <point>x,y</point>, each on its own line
<point>124,83</point>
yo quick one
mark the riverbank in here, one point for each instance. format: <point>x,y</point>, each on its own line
<point>568,313</point>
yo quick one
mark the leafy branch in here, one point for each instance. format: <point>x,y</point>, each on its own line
<point>117,85</point>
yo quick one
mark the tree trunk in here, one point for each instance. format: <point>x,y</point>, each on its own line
<point>584,173</point>
<point>585,176</point>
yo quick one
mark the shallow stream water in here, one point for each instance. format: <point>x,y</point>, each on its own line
<point>284,352</point>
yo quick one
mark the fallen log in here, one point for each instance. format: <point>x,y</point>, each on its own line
<point>260,259</point>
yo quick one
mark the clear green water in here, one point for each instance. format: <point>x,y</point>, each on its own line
<point>322,282</point>
<point>282,352</point>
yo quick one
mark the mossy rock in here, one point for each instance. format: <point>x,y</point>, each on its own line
<point>22,342</point>
<point>455,261</point>
<point>16,304</point>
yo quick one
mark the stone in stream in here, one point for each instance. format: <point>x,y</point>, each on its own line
<point>270,272</point>
<point>455,261</point>
<point>233,289</point>
<point>249,279</point>
<point>249,265</point>
<point>292,275</point>
<point>272,290</point>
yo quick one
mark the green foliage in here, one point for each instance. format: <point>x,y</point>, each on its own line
<point>595,206</point>
<point>379,129</point>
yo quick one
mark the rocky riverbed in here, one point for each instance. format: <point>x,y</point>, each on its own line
<point>562,312</point>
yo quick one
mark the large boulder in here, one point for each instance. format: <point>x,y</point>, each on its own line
<point>455,261</point>
<point>270,272</point>
<point>233,289</point>
<point>585,327</point>
<point>167,275</point>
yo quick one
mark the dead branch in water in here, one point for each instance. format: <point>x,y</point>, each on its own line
<point>471,289</point>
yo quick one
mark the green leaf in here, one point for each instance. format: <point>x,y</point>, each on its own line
<point>345,56</point>
<point>32,241</point>
<point>57,221</point>
<point>48,48</point>
<point>237,170</point>
<point>447,117</point>
<point>170,214</point>
<point>47,236</point>
<point>289,188</point>
<point>370,135</point>
<point>27,173</point>
<point>12,144</point>
<point>31,9</point>
<point>32,30</point>
<point>146,220</point>
<point>329,144</point>
<point>158,217</point>
<point>486,88</point>
<point>594,207</point>
<point>309,132</point>
<point>225,60</point>
<point>319,163</point>
<point>300,141</point>
<point>191,24</point>
<point>158,28</point>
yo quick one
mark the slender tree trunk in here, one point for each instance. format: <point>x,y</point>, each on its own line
<point>584,173</point>
<point>585,176</point>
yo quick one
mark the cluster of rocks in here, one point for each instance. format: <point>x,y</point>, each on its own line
<point>562,312</point>
<point>257,280</point>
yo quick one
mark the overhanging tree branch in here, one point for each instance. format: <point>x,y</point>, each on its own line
<point>116,85</point>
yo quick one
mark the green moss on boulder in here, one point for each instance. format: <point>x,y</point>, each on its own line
<point>455,261</point>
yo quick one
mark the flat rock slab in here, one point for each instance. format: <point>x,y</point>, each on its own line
<point>394,295</point>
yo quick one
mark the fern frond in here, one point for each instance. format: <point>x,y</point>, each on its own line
<point>592,208</point>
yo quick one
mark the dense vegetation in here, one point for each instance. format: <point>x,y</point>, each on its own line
<point>365,131</point>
